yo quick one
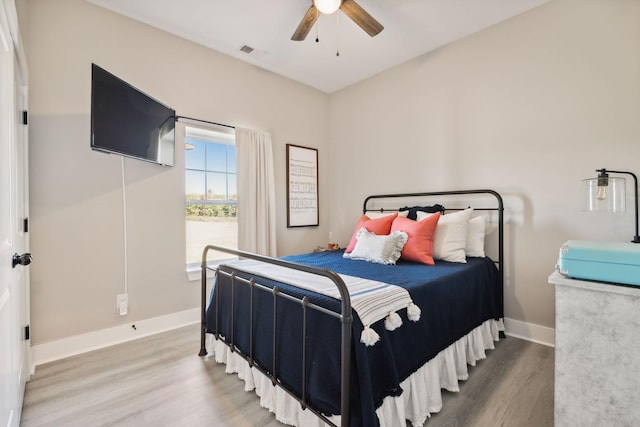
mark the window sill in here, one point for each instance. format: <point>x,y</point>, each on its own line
<point>194,273</point>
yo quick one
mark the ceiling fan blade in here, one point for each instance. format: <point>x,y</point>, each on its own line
<point>361,17</point>
<point>306,24</point>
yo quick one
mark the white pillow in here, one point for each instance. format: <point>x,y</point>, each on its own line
<point>451,235</point>
<point>380,249</point>
<point>475,237</point>
<point>378,214</point>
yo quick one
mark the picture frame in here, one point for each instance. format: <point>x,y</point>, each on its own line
<point>302,186</point>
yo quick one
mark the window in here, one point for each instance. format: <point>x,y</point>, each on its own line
<point>211,196</point>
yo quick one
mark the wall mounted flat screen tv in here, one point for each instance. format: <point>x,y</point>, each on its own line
<point>128,122</point>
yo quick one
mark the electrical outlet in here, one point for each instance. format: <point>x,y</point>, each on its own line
<point>122,304</point>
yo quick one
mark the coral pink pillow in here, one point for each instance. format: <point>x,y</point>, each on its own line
<point>419,247</point>
<point>379,226</point>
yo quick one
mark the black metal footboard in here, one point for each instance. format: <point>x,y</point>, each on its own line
<point>345,317</point>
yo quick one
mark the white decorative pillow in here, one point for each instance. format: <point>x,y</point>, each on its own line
<point>475,237</point>
<point>380,249</point>
<point>376,215</point>
<point>451,235</point>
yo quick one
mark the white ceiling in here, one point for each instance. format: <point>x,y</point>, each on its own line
<point>411,28</point>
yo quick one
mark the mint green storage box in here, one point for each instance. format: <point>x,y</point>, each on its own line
<point>613,262</point>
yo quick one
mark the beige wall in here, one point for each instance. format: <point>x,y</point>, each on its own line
<point>76,200</point>
<point>528,107</point>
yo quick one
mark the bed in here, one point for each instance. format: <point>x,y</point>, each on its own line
<point>325,338</point>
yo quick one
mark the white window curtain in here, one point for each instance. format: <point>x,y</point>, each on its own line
<point>256,192</point>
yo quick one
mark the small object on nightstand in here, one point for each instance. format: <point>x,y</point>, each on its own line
<point>331,246</point>
<point>613,262</point>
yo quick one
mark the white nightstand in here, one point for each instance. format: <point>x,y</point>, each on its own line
<point>597,355</point>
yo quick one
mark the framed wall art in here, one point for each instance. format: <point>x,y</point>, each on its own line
<point>302,186</point>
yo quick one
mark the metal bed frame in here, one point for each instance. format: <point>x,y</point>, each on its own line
<point>345,315</point>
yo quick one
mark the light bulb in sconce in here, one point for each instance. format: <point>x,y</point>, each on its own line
<point>603,183</point>
<point>605,193</point>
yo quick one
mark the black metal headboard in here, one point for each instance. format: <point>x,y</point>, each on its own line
<point>498,207</point>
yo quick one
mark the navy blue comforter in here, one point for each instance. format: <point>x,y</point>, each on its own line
<point>454,299</point>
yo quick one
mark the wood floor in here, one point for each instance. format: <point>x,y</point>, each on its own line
<point>160,381</point>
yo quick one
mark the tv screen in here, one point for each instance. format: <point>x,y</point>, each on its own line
<point>128,122</point>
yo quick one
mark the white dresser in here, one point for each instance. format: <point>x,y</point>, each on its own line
<point>597,354</point>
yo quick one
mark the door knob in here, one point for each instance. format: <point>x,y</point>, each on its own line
<point>24,259</point>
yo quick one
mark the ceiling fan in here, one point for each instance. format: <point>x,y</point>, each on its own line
<point>349,7</point>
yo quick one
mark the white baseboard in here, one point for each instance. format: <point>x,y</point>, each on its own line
<point>530,332</point>
<point>78,344</point>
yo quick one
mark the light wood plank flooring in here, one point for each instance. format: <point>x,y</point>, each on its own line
<point>160,381</point>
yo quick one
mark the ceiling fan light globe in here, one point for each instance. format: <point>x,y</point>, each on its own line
<point>327,6</point>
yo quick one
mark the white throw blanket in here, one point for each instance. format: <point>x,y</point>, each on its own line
<point>371,300</point>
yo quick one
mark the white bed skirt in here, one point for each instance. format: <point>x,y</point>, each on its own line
<point>421,391</point>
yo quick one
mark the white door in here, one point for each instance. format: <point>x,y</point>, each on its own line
<point>14,280</point>
<point>20,208</point>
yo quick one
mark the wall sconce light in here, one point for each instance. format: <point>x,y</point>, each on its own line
<point>606,193</point>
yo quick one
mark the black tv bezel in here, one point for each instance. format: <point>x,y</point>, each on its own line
<point>110,150</point>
